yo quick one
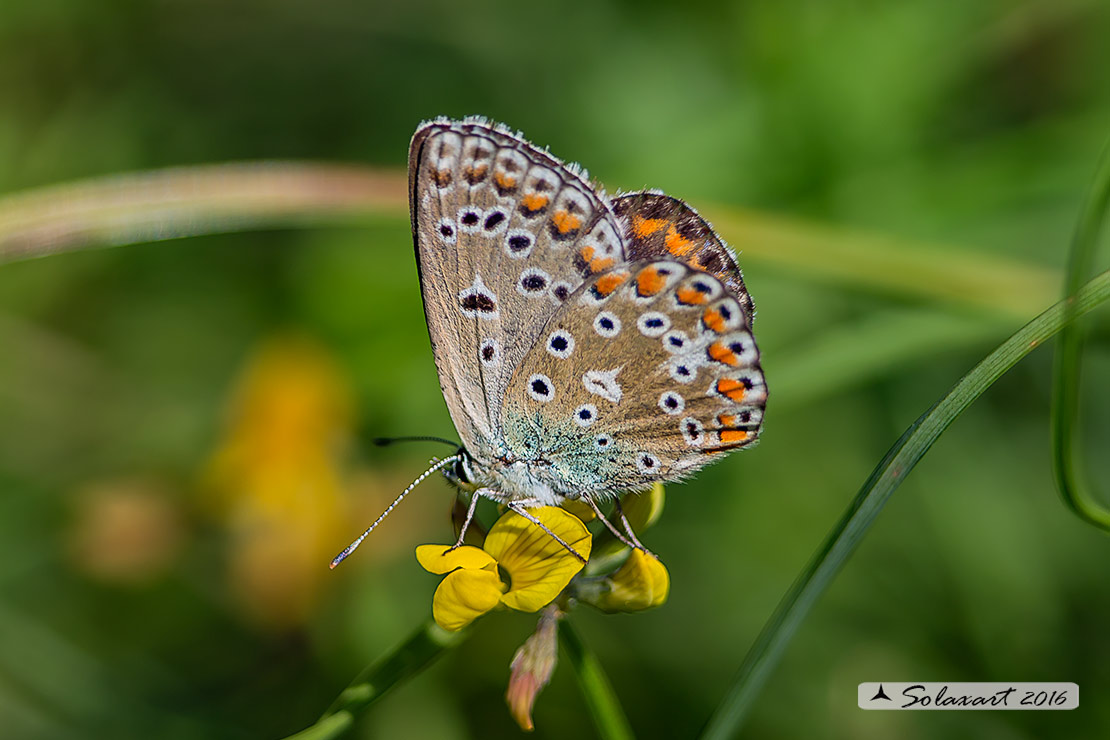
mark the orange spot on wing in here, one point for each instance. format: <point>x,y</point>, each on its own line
<point>714,320</point>
<point>677,244</point>
<point>504,181</point>
<point>734,389</point>
<point>601,263</point>
<point>691,297</point>
<point>649,281</point>
<point>606,284</point>
<point>726,420</point>
<point>644,227</point>
<point>534,201</point>
<point>721,353</point>
<point>734,436</point>
<point>565,221</point>
<point>587,253</point>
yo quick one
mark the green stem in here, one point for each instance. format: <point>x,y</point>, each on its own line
<point>414,655</point>
<point>609,717</point>
<point>1067,457</point>
<point>764,655</point>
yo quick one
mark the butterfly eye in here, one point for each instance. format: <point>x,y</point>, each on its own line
<point>462,471</point>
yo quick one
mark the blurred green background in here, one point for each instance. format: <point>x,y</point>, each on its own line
<point>183,425</point>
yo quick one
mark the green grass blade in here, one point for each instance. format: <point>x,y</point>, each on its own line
<point>884,480</point>
<point>1067,456</point>
<point>412,656</point>
<point>605,708</point>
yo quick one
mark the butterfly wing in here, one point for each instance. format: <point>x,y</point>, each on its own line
<point>504,234</point>
<point>658,226</point>
<point>648,372</point>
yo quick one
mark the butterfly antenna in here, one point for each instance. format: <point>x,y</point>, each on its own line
<point>354,545</point>
<point>386,441</point>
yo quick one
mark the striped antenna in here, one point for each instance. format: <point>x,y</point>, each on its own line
<point>354,545</point>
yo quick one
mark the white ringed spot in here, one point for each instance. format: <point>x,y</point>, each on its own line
<point>692,431</point>
<point>533,283</point>
<point>585,415</point>
<point>607,324</point>
<point>540,388</point>
<point>672,403</point>
<point>489,353</point>
<point>445,229</point>
<point>470,219</point>
<point>648,464</point>
<point>653,323</point>
<point>519,243</point>
<point>560,344</point>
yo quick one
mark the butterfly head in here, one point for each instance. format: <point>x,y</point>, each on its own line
<point>465,473</point>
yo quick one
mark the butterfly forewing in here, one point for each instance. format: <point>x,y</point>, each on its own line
<point>648,372</point>
<point>504,234</point>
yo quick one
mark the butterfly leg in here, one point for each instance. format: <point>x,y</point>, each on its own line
<point>628,527</point>
<point>518,507</point>
<point>609,525</point>
<point>466,522</point>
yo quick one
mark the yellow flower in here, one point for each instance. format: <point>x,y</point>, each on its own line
<point>536,567</point>
<point>276,481</point>
<point>641,583</point>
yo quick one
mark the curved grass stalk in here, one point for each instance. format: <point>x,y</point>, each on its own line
<point>191,201</point>
<point>764,655</point>
<point>240,196</point>
<point>1067,457</point>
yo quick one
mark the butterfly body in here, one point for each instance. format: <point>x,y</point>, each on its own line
<point>585,345</point>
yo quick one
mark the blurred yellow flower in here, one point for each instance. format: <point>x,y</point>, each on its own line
<point>536,567</point>
<point>641,583</point>
<point>644,508</point>
<point>275,479</point>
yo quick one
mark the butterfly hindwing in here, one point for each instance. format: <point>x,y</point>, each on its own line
<point>658,226</point>
<point>504,235</point>
<point>646,373</point>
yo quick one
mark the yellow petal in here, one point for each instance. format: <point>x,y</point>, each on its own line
<point>643,508</point>
<point>580,509</point>
<point>442,559</point>
<point>538,566</point>
<point>463,596</point>
<point>641,583</point>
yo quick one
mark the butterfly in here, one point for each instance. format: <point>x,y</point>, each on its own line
<point>585,345</point>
